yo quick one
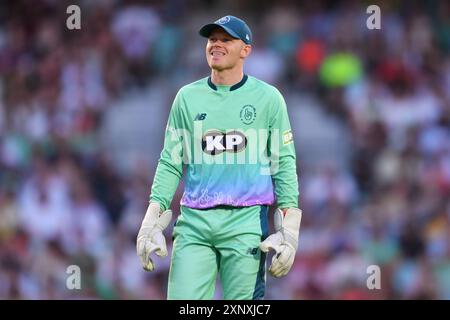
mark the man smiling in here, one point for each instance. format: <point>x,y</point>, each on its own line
<point>222,229</point>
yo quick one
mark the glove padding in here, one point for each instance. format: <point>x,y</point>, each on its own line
<point>284,241</point>
<point>150,237</point>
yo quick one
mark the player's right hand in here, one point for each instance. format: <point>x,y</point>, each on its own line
<point>150,237</point>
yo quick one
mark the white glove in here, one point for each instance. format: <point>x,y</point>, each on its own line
<point>284,241</point>
<point>150,237</point>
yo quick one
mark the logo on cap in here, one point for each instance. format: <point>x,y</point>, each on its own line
<point>223,20</point>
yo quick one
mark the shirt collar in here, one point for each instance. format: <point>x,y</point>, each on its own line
<point>233,87</point>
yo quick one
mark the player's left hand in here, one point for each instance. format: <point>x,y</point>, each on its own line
<point>284,241</point>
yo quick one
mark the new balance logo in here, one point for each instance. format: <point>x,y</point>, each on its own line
<point>200,117</point>
<point>252,251</point>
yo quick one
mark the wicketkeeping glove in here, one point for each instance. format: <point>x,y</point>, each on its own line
<point>150,237</point>
<point>284,241</point>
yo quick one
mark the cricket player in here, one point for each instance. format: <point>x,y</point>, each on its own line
<point>231,134</point>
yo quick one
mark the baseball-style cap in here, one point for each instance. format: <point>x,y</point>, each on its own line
<point>235,27</point>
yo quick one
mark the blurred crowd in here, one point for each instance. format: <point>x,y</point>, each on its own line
<point>370,110</point>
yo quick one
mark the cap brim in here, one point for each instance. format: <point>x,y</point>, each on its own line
<point>206,30</point>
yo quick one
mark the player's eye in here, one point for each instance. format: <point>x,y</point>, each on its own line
<point>212,40</point>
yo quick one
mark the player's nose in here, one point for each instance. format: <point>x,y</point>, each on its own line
<point>216,47</point>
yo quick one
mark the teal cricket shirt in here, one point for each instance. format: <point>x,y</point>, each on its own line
<point>235,143</point>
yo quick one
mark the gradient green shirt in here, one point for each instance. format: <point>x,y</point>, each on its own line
<point>235,143</point>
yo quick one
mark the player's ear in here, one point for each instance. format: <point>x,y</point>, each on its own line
<point>246,50</point>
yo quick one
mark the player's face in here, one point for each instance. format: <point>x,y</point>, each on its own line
<point>223,51</point>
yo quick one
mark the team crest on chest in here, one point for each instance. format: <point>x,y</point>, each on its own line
<point>248,114</point>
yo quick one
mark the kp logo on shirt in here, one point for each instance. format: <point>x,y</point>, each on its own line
<point>227,146</point>
<point>215,142</point>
